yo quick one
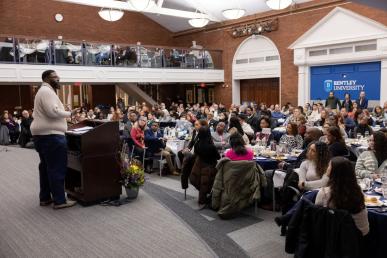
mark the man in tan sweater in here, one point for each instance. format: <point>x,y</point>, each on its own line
<point>48,129</point>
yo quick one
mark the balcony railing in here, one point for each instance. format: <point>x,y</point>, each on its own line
<point>59,52</point>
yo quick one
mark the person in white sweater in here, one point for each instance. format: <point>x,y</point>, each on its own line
<point>343,192</point>
<point>48,129</point>
<point>312,172</point>
<point>371,163</point>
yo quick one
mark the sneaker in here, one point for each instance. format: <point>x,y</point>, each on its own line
<point>67,204</point>
<point>45,203</point>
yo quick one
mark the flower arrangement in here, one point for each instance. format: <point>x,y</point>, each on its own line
<point>132,172</point>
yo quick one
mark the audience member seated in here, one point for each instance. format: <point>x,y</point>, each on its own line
<point>323,117</point>
<point>137,135</point>
<point>154,141</point>
<point>334,120</point>
<point>312,170</point>
<point>371,163</point>
<point>292,139</point>
<point>314,115</point>
<point>203,171</point>
<point>363,128</point>
<point>301,123</point>
<point>221,138</point>
<point>293,118</point>
<point>336,142</point>
<point>252,119</point>
<point>238,149</point>
<point>247,129</point>
<point>349,124</point>
<point>13,127</point>
<point>211,121</point>
<point>378,116</point>
<point>128,124</point>
<point>25,132</point>
<point>264,133</point>
<point>343,192</point>
<point>237,184</point>
<point>277,114</point>
<point>236,127</point>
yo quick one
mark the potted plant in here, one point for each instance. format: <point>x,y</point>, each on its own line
<point>132,176</point>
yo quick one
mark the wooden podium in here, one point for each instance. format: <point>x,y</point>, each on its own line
<point>93,166</point>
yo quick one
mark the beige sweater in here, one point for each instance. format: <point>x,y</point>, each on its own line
<point>360,219</point>
<point>49,114</point>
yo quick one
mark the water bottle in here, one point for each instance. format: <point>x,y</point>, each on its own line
<point>384,182</point>
<point>273,146</point>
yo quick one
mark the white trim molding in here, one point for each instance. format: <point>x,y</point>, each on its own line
<point>21,73</point>
<point>255,58</point>
<point>341,37</point>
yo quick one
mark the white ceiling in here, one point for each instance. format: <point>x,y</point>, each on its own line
<point>213,8</point>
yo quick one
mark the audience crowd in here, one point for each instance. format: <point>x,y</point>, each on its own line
<point>214,132</point>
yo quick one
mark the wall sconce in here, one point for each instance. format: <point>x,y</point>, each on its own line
<point>255,28</point>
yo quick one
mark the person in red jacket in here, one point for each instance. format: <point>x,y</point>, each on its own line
<point>137,135</point>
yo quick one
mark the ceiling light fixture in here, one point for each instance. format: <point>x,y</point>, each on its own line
<point>278,4</point>
<point>233,14</point>
<point>109,14</point>
<point>198,22</point>
<point>142,5</point>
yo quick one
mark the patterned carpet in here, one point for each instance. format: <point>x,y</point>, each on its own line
<point>143,228</point>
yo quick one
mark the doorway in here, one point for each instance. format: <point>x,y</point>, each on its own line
<point>260,90</point>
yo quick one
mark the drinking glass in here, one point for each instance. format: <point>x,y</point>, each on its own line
<point>384,190</point>
<point>366,134</point>
<point>358,136</point>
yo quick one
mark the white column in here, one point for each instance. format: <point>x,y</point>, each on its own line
<point>383,82</point>
<point>236,92</point>
<point>303,85</point>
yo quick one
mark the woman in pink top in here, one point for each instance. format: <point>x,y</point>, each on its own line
<point>238,149</point>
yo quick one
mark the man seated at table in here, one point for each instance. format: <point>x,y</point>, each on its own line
<point>221,138</point>
<point>154,140</point>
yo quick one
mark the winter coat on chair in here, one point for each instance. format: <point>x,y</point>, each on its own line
<point>237,184</point>
<point>202,178</point>
<point>321,232</point>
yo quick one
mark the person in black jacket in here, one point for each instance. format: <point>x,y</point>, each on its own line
<point>252,119</point>
<point>347,102</point>
<point>363,126</point>
<point>332,102</point>
<point>187,156</point>
<point>336,143</point>
<point>25,131</point>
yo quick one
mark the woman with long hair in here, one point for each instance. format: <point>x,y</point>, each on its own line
<point>203,171</point>
<point>378,116</point>
<point>137,135</point>
<point>336,143</point>
<point>236,127</point>
<point>370,163</point>
<point>312,172</point>
<point>292,138</point>
<point>343,192</point>
<point>238,149</point>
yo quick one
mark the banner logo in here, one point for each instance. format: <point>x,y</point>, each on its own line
<point>328,85</point>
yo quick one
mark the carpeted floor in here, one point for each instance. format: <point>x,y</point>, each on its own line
<point>143,228</point>
<point>160,223</point>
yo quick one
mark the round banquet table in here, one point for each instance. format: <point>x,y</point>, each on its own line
<point>377,237</point>
<point>271,164</point>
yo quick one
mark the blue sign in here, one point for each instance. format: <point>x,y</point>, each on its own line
<point>347,78</point>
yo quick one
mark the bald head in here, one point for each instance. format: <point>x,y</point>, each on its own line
<point>312,134</point>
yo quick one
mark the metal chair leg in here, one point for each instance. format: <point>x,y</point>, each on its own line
<point>256,207</point>
<point>273,198</point>
<point>160,165</point>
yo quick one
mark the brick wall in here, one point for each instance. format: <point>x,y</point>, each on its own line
<point>35,18</point>
<point>290,28</point>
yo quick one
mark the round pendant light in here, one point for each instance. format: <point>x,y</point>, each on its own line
<point>111,15</point>
<point>278,4</point>
<point>232,14</point>
<point>198,22</point>
<point>142,5</point>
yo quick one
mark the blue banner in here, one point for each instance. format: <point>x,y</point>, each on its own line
<point>346,78</point>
